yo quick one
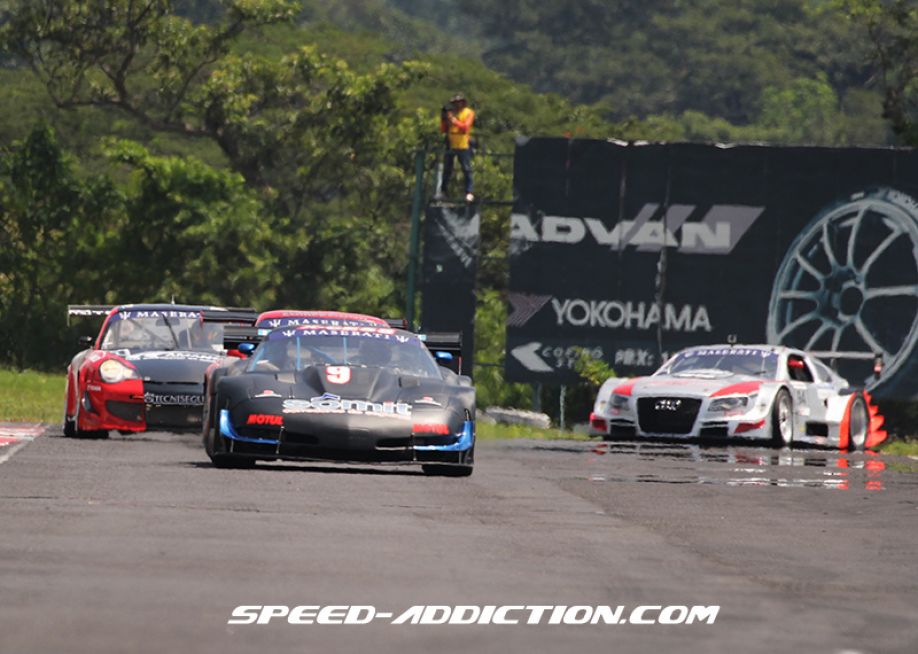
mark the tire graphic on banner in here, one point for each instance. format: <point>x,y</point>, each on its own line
<point>849,282</point>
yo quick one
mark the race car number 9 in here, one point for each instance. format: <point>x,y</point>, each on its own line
<point>338,374</point>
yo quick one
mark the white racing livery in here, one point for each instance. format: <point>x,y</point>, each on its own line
<point>756,392</point>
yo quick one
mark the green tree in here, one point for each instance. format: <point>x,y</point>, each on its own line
<point>195,234</point>
<point>892,26</point>
<point>321,143</point>
<point>804,112</point>
<point>57,241</point>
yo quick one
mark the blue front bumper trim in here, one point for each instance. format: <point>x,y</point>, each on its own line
<point>226,428</point>
<point>466,440</point>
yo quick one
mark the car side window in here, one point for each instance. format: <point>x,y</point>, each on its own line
<point>797,369</point>
<point>823,373</point>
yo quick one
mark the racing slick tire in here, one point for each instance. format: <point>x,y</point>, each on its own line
<point>69,427</point>
<point>782,419</point>
<point>448,470</point>
<point>858,424</point>
<point>72,431</point>
<point>435,470</point>
<point>231,461</point>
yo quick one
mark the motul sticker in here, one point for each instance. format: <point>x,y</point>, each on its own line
<point>265,419</point>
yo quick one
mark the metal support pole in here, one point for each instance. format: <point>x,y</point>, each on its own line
<point>414,243</point>
<point>537,397</point>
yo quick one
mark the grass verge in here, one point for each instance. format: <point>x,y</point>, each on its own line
<point>903,447</point>
<point>29,396</point>
<point>492,432</point>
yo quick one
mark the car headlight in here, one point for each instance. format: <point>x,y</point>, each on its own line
<point>113,371</point>
<point>618,403</point>
<point>732,403</point>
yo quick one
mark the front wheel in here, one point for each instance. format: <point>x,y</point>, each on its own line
<point>782,419</point>
<point>858,423</point>
<point>463,469</point>
<point>447,470</point>
<point>72,427</point>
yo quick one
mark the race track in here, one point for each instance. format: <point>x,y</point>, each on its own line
<point>136,544</point>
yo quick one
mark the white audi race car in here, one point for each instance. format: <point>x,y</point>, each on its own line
<point>756,392</point>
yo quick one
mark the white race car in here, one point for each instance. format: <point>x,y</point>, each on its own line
<point>757,392</point>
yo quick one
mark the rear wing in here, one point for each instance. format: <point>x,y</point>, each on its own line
<point>243,315</point>
<point>832,356</point>
<point>235,335</point>
<point>231,315</point>
<point>88,310</point>
<point>446,348</point>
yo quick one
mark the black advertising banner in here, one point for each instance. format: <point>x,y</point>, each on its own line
<point>451,245</point>
<point>635,251</point>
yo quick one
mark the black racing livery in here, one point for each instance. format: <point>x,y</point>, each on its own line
<point>359,392</point>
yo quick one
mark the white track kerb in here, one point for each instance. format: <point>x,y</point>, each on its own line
<point>15,436</point>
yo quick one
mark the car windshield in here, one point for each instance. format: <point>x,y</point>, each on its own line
<point>162,330</point>
<point>314,345</point>
<point>742,361</point>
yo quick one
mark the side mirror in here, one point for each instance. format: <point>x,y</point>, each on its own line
<point>442,356</point>
<point>246,348</point>
<point>86,341</point>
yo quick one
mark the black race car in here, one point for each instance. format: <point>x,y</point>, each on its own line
<point>353,392</point>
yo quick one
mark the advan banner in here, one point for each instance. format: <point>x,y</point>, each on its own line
<point>635,251</point>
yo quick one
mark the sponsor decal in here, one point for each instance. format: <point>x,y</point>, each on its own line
<point>718,232</point>
<point>329,403</point>
<point>488,614</point>
<point>731,351</point>
<point>538,358</point>
<point>268,393</point>
<point>177,355</point>
<point>168,399</point>
<point>274,323</point>
<point>139,314</point>
<point>667,404</point>
<point>428,400</point>
<point>617,314</point>
<point>524,306</point>
<point>265,419</point>
<point>338,374</point>
<point>345,329</point>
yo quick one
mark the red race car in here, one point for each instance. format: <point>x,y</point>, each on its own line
<point>145,369</point>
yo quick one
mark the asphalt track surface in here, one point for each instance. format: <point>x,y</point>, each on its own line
<point>136,544</point>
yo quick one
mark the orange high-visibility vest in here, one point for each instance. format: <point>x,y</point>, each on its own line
<point>459,130</point>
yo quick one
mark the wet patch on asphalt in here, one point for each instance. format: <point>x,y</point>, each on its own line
<point>733,465</point>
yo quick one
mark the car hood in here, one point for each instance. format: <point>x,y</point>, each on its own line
<point>320,396</point>
<point>693,386</point>
<point>175,366</point>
